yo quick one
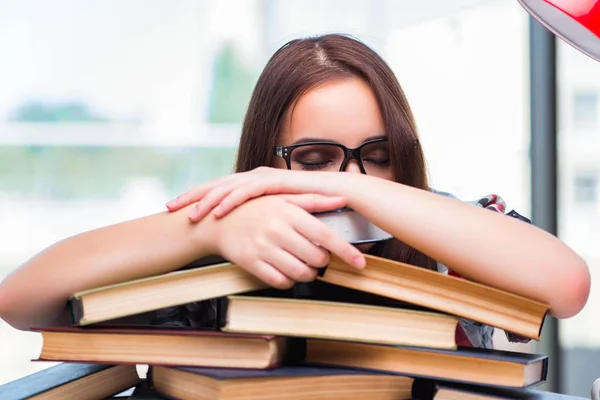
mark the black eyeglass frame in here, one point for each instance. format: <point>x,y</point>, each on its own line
<point>285,152</point>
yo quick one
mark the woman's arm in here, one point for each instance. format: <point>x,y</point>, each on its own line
<point>271,237</point>
<point>36,293</point>
<point>517,257</point>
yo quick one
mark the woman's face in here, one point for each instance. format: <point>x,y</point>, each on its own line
<point>343,111</point>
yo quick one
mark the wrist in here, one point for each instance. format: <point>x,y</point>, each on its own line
<point>347,185</point>
<point>206,235</point>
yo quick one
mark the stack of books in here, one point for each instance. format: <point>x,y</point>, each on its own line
<point>387,331</point>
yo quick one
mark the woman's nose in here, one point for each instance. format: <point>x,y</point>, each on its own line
<point>353,167</point>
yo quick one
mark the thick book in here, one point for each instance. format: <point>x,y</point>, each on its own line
<point>72,381</point>
<point>290,383</point>
<point>441,292</point>
<point>161,291</point>
<point>438,390</point>
<point>337,320</point>
<point>161,347</point>
<point>312,382</point>
<point>466,365</point>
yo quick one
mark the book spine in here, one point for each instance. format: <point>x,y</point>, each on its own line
<point>544,370</point>
<point>75,306</point>
<point>222,307</point>
<point>295,351</point>
<point>149,378</point>
<point>423,389</point>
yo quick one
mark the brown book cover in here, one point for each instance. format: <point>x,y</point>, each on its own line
<point>466,364</point>
<point>161,291</point>
<point>183,347</point>
<point>288,382</point>
<point>440,292</point>
<point>72,381</point>
<point>336,320</point>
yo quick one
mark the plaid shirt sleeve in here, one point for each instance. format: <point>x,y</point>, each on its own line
<point>471,333</point>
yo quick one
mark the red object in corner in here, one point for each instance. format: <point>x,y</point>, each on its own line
<point>586,12</point>
<point>577,22</point>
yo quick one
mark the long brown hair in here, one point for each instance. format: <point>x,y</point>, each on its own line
<point>303,64</point>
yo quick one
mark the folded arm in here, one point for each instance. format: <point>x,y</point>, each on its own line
<point>271,237</point>
<point>517,257</point>
<point>36,293</point>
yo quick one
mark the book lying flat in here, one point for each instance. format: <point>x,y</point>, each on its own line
<point>336,320</point>
<point>162,347</point>
<point>160,291</point>
<point>433,390</point>
<point>290,383</point>
<point>440,292</point>
<point>467,365</point>
<point>72,381</point>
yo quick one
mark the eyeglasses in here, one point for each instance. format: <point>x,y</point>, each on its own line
<point>373,156</point>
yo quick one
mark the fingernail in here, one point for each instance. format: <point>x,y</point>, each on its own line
<point>172,202</point>
<point>218,210</point>
<point>193,212</point>
<point>359,261</point>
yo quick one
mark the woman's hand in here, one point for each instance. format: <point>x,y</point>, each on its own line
<point>275,238</point>
<point>224,194</point>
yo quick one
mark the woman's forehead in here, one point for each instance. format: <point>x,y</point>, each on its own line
<point>344,111</point>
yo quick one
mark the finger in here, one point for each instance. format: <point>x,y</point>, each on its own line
<point>215,196</point>
<point>324,236</point>
<point>210,200</point>
<point>312,202</point>
<point>303,249</point>
<point>270,275</point>
<point>290,266</point>
<point>195,194</point>
<point>188,197</point>
<point>270,184</point>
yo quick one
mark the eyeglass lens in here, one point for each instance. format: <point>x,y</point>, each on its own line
<point>329,157</point>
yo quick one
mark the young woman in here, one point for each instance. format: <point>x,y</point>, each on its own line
<point>327,126</point>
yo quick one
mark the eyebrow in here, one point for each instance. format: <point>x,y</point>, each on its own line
<point>313,139</point>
